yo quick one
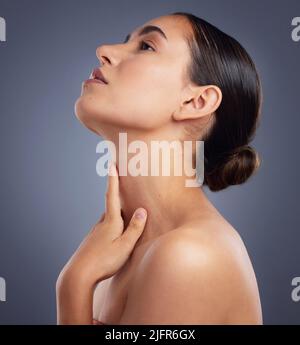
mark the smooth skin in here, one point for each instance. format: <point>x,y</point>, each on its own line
<point>185,264</point>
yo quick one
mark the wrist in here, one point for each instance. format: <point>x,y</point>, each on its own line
<point>70,277</point>
<point>74,296</point>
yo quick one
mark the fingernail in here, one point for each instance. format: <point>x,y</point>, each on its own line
<point>141,213</point>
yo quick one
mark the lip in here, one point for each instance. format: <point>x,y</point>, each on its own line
<point>97,81</point>
<point>98,75</point>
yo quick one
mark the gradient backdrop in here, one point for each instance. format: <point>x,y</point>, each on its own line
<point>50,192</point>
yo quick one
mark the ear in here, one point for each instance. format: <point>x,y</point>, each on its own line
<point>198,101</point>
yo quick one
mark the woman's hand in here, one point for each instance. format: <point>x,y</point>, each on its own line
<point>107,246</point>
<point>101,254</point>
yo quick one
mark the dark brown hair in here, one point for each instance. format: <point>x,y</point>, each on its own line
<point>219,59</point>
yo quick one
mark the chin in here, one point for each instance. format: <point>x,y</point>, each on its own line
<point>86,113</point>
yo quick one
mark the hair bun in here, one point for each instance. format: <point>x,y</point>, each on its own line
<point>236,168</point>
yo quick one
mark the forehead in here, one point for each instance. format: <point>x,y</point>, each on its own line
<point>175,27</point>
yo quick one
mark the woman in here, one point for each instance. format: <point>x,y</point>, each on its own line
<point>178,262</point>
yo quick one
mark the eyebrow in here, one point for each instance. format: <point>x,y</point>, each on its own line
<point>146,30</point>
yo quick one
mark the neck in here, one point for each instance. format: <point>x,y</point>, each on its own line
<point>169,203</point>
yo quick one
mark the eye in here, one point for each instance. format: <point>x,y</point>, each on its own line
<point>144,44</point>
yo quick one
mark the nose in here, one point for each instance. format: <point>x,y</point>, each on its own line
<point>102,54</point>
<point>109,54</point>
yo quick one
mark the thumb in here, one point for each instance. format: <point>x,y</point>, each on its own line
<point>135,227</point>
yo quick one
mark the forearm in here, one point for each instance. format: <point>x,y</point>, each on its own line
<point>74,299</point>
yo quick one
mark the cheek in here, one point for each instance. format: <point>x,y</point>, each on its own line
<point>147,96</point>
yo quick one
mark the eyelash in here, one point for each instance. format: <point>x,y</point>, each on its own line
<point>144,43</point>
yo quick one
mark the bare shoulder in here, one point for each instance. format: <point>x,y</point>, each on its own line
<point>199,273</point>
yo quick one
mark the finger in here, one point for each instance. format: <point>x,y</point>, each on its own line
<point>113,204</point>
<point>135,228</point>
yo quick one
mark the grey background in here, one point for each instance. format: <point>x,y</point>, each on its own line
<point>50,192</point>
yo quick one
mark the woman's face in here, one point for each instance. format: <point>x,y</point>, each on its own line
<point>145,77</point>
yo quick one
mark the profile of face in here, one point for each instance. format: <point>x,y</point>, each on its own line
<point>147,80</point>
